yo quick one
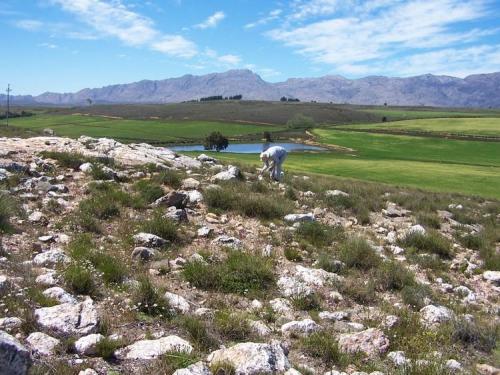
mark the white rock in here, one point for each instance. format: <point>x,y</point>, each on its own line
<point>88,371</point>
<point>432,315</point>
<point>47,279</point>
<point>299,218</point>
<point>337,315</point>
<point>14,357</point>
<point>315,276</point>
<point>190,183</point>
<point>150,349</point>
<point>86,167</point>
<point>492,276</point>
<point>87,345</point>
<point>227,241</point>
<point>4,283</point>
<point>204,231</point>
<point>335,193</point>
<point>252,358</point>
<point>281,306</point>
<point>43,344</point>
<point>292,286</point>
<point>194,196</point>
<point>231,173</point>
<point>398,358</point>
<point>36,217</point>
<point>149,240</point>
<point>416,229</point>
<point>256,304</point>
<point>371,342</point>
<point>453,365</point>
<point>59,294</point>
<point>10,322</point>
<point>68,318</point>
<point>300,327</point>
<point>267,250</point>
<point>260,328</point>
<point>50,258</point>
<point>198,368</point>
<point>177,302</point>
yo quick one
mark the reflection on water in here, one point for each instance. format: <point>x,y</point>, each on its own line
<point>252,148</point>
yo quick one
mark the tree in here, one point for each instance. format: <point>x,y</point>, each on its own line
<point>215,141</point>
<point>267,137</point>
<point>283,99</point>
<point>89,101</point>
<point>300,121</point>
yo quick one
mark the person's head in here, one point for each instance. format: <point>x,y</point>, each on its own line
<point>263,156</point>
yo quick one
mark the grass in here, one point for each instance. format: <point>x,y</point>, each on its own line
<point>415,295</point>
<point>198,332</point>
<point>174,360</point>
<point>481,335</point>
<point>239,273</point>
<point>318,234</point>
<point>323,345</point>
<point>80,279</point>
<point>148,191</point>
<point>239,197</point>
<point>7,209</point>
<point>106,348</point>
<point>148,299</point>
<point>357,253</point>
<point>147,130</point>
<point>169,177</point>
<point>470,126</point>
<point>392,275</point>
<point>231,326</point>
<point>431,242</point>
<point>164,228</point>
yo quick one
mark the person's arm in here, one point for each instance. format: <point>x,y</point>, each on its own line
<point>264,168</point>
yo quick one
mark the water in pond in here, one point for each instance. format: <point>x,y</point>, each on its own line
<point>252,148</point>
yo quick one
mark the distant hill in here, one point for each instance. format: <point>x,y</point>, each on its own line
<point>481,90</point>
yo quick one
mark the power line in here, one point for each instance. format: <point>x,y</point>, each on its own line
<point>8,103</point>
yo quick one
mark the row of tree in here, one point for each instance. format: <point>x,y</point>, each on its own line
<point>220,97</point>
<point>15,114</point>
<point>285,99</point>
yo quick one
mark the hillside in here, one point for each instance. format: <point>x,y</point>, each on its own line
<point>130,259</point>
<point>429,90</point>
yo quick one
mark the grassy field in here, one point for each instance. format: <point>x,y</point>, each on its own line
<point>424,113</point>
<point>157,131</point>
<point>473,126</point>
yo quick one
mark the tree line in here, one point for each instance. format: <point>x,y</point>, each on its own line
<point>220,97</point>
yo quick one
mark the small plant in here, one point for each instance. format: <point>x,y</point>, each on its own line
<point>65,159</point>
<point>415,295</point>
<point>358,288</point>
<point>198,333</point>
<point>175,360</point>
<point>481,335</point>
<point>392,275</point>
<point>169,177</point>
<point>148,300</point>
<point>318,234</point>
<point>323,345</point>
<point>222,368</point>
<point>234,327</point>
<point>431,242</point>
<point>106,348</point>
<point>356,252</point>
<point>328,262</point>
<point>148,191</point>
<point>306,302</point>
<point>80,278</point>
<point>429,220</point>
<point>162,227</point>
<point>7,210</point>
<point>292,254</point>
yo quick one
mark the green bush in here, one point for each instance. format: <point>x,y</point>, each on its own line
<point>480,335</point>
<point>148,299</point>
<point>169,177</point>
<point>306,302</point>
<point>162,227</point>
<point>356,252</point>
<point>106,348</point>
<point>7,210</point>
<point>80,279</point>
<point>240,273</point>
<point>174,360</point>
<point>292,254</point>
<point>318,234</point>
<point>431,242</point>
<point>392,275</point>
<point>198,333</point>
<point>323,345</point>
<point>415,295</point>
<point>234,327</point>
<point>359,288</point>
<point>429,220</point>
<point>148,191</point>
<point>65,159</point>
<point>328,262</point>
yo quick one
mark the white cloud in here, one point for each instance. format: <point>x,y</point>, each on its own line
<point>227,60</point>
<point>113,19</point>
<point>230,59</point>
<point>47,45</point>
<point>273,15</point>
<point>211,21</point>
<point>30,25</point>
<point>358,37</point>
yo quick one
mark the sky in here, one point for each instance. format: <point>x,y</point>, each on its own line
<point>68,45</point>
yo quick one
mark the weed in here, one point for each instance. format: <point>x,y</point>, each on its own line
<point>106,348</point>
<point>323,345</point>
<point>415,295</point>
<point>148,191</point>
<point>318,234</point>
<point>222,368</point>
<point>292,254</point>
<point>481,335</point>
<point>65,159</point>
<point>7,210</point>
<point>429,220</point>
<point>148,300</point>
<point>356,252</point>
<point>175,360</point>
<point>328,262</point>
<point>234,327</point>
<point>358,288</point>
<point>306,302</point>
<point>162,227</point>
<point>431,242</point>
<point>392,275</point>
<point>80,278</point>
<point>198,333</point>
<point>169,177</point>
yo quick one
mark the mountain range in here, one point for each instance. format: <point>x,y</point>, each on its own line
<point>480,90</point>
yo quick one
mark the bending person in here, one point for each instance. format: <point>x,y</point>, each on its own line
<point>273,159</point>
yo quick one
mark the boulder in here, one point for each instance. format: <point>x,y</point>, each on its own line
<point>4,284</point>
<point>174,198</point>
<point>50,258</point>
<point>372,342</point>
<point>176,214</point>
<point>251,358</point>
<point>206,159</point>
<point>59,294</point>
<point>190,184</point>
<point>432,315</point>
<point>143,253</point>
<point>227,241</point>
<point>69,318</point>
<point>416,229</point>
<point>300,327</point>
<point>178,303</point>
<point>86,167</point>
<point>87,345</point>
<point>42,344</point>
<point>198,368</point>
<point>14,357</point>
<point>398,358</point>
<point>150,349</point>
<point>10,323</point>
<point>299,218</point>
<point>492,276</point>
<point>336,193</point>
<point>232,173</point>
<point>149,240</point>
<point>335,316</point>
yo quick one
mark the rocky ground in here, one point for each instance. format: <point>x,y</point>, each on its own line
<point>121,259</point>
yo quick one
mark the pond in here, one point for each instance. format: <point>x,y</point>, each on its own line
<point>252,148</point>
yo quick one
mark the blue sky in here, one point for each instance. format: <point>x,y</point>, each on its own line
<point>67,45</point>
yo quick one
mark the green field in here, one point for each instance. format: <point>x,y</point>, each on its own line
<point>156,131</point>
<point>472,126</point>
<point>403,113</point>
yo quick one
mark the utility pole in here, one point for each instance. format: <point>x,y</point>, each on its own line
<point>8,103</point>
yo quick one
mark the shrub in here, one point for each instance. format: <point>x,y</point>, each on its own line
<point>482,336</point>
<point>328,262</point>
<point>98,173</point>
<point>392,275</point>
<point>292,254</point>
<point>148,300</point>
<point>234,327</point>
<point>80,278</point>
<point>306,302</point>
<point>169,177</point>
<point>7,209</point>
<point>430,220</point>
<point>148,191</point>
<point>358,288</point>
<point>162,227</point>
<point>106,348</point>
<point>175,360</point>
<point>222,368</point>
<point>323,345</point>
<point>240,273</point>
<point>65,159</point>
<point>431,242</point>
<point>113,270</point>
<point>215,141</point>
<point>415,295</point>
<point>198,333</point>
<point>300,121</point>
<point>356,252</point>
<point>318,234</point>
